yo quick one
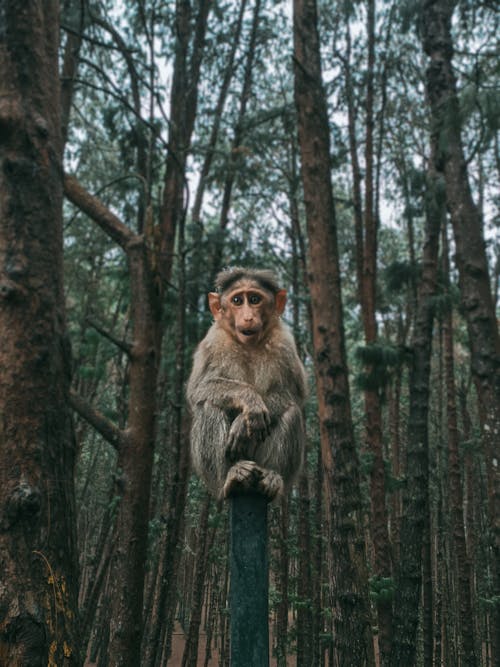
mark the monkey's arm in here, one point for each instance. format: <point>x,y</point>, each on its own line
<point>275,464</point>
<point>242,404</point>
<point>250,417</point>
<point>225,393</point>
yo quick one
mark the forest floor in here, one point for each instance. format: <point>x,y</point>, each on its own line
<point>178,642</point>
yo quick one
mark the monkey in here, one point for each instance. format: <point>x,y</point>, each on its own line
<point>247,390</point>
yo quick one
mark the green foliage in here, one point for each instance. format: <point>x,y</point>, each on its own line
<point>442,303</point>
<point>490,603</point>
<point>380,360</point>
<point>274,597</point>
<point>400,274</point>
<point>409,15</point>
<point>381,354</point>
<point>382,589</point>
<point>392,483</point>
<point>114,503</point>
<point>366,459</point>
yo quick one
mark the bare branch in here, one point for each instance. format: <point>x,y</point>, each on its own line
<point>95,209</point>
<point>109,431</point>
<point>122,344</point>
<point>127,54</point>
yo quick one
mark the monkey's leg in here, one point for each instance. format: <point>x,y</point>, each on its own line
<point>283,451</point>
<point>209,431</point>
<point>242,476</point>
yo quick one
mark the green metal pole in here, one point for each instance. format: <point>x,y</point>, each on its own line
<point>248,597</point>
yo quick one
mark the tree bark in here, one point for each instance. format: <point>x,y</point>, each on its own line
<point>38,557</point>
<point>282,581</point>
<point>456,502</point>
<point>135,462</point>
<point>352,613</point>
<point>219,108</point>
<point>194,278</point>
<point>355,167</point>
<point>304,582</point>
<point>136,442</point>
<point>149,264</point>
<point>183,106</point>
<point>415,499</point>
<point>367,273</point>
<point>190,655</point>
<point>471,257</point>
<point>235,156</point>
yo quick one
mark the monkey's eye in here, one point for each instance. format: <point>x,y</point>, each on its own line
<point>254,299</point>
<point>237,300</point>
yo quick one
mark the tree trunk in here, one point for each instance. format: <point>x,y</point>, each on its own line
<point>427,592</point>
<point>147,268</point>
<point>366,232</point>
<point>180,455</point>
<point>355,167</point>
<point>219,108</point>
<point>194,278</point>
<point>183,107</point>
<point>38,558</point>
<point>135,444</point>
<point>318,544</point>
<point>471,258</point>
<point>161,636</point>
<point>235,157</point>
<point>304,583</point>
<point>415,499</point>
<point>159,642</point>
<point>190,655</point>
<point>135,462</point>
<point>394,392</point>
<point>456,502</point>
<point>282,580</point>
<point>352,613</point>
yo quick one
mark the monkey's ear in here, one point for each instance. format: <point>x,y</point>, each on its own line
<point>280,301</point>
<point>215,305</point>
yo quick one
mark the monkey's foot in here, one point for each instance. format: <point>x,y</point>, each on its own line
<point>242,476</point>
<point>247,476</point>
<point>271,484</point>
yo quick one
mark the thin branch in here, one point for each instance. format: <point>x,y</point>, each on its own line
<point>109,431</point>
<point>123,100</point>
<point>122,344</point>
<point>95,209</point>
<point>127,54</point>
<point>90,40</point>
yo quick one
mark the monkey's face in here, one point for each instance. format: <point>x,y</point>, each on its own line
<point>247,310</point>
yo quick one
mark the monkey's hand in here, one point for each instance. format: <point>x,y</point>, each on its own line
<point>250,428</point>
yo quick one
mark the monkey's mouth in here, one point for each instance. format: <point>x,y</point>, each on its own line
<point>249,333</point>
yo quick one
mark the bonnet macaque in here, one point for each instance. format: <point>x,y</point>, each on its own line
<point>246,390</point>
